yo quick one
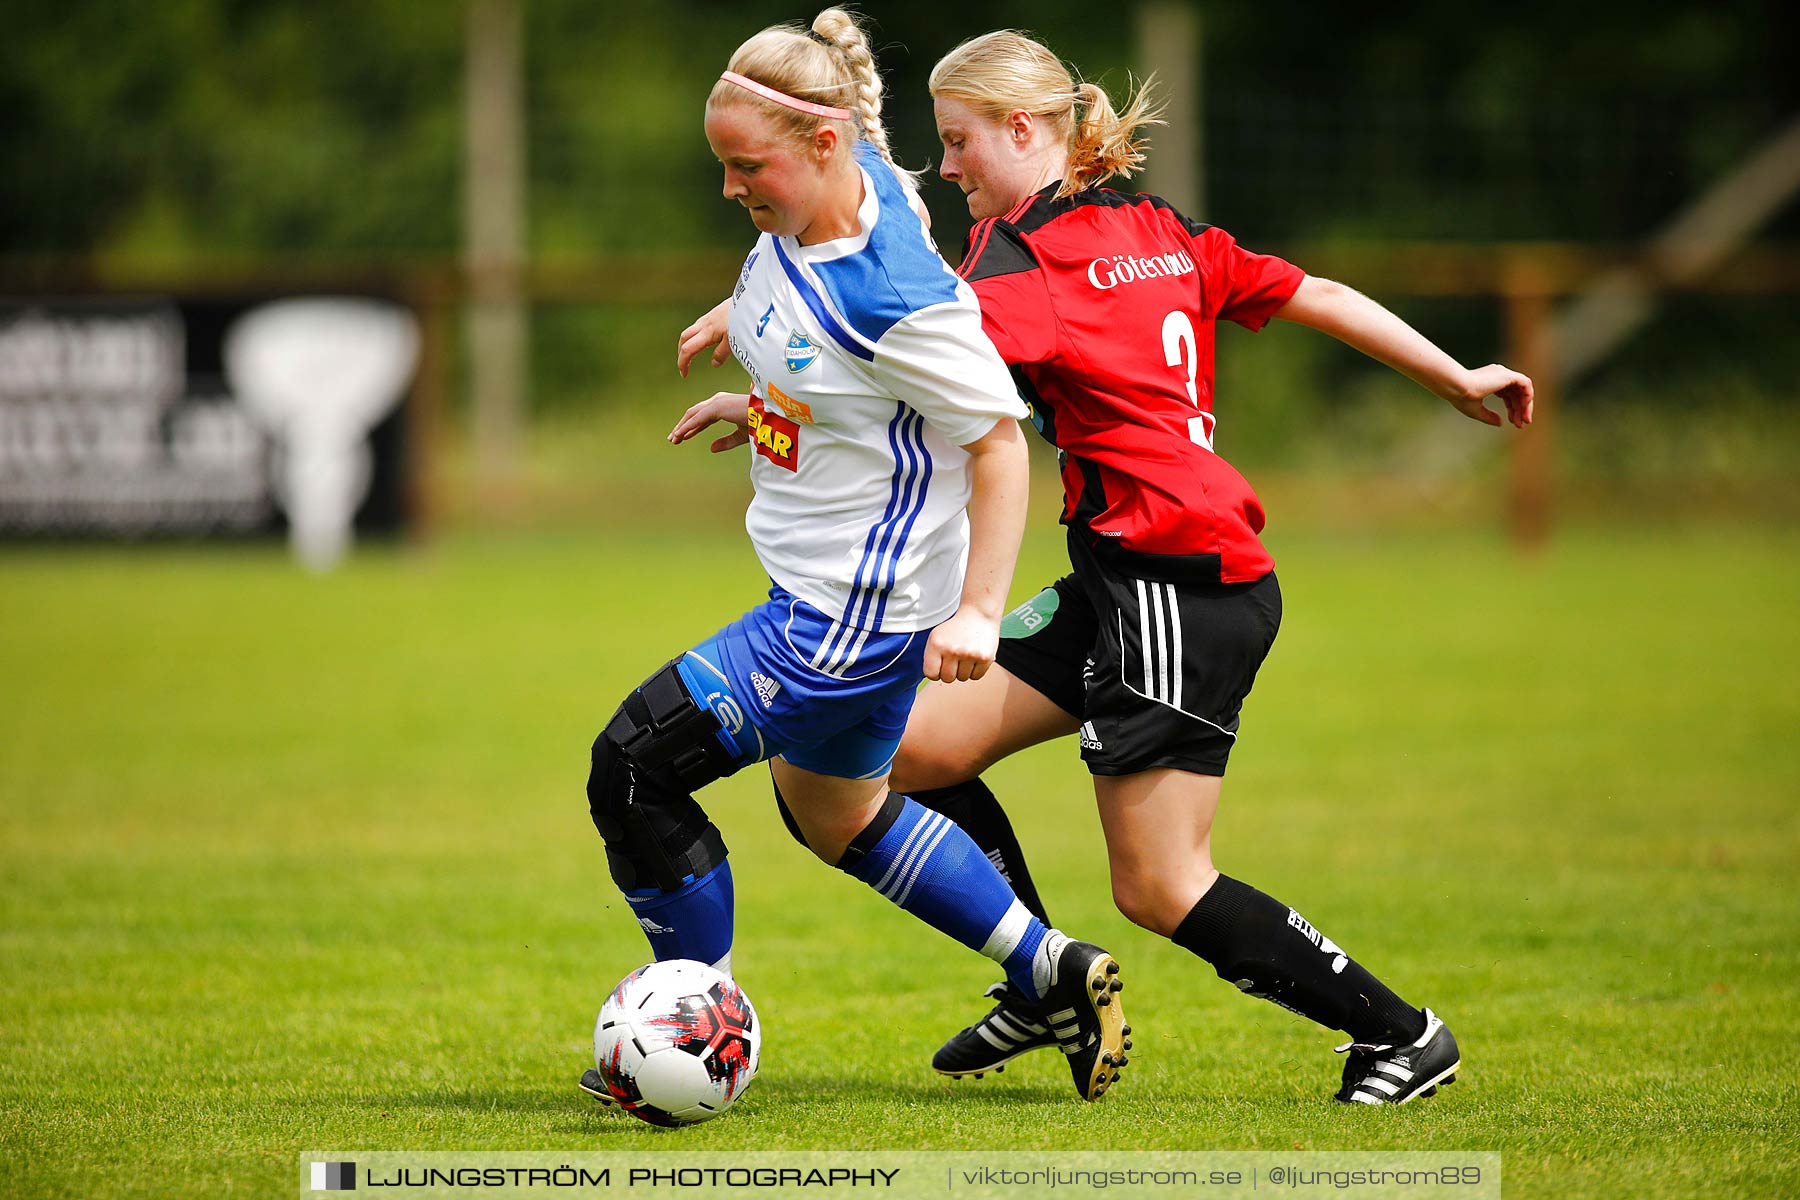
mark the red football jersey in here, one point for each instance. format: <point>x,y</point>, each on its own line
<point>1103,304</point>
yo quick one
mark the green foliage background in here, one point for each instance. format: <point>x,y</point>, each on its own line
<point>202,127</point>
<point>200,132</point>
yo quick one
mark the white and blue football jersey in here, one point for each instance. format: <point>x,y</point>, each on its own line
<point>869,370</point>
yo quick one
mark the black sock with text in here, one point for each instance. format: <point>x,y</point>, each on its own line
<point>1267,949</point>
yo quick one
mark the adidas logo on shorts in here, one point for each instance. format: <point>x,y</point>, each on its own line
<point>765,688</point>
<point>1089,739</point>
<point>651,926</point>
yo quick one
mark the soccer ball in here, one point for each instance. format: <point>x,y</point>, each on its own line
<point>677,1042</point>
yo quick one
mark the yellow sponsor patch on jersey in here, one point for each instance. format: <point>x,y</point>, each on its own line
<point>775,438</point>
<point>795,409</point>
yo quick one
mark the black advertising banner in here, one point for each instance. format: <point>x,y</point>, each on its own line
<point>163,417</point>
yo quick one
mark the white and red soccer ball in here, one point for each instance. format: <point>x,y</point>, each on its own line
<point>677,1042</point>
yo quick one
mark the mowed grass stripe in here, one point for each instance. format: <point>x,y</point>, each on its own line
<point>289,862</point>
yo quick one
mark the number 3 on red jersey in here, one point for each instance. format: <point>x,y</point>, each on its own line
<point>1179,351</point>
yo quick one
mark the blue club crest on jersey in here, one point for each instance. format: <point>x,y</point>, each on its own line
<point>801,350</point>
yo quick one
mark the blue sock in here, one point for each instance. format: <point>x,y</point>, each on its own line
<point>693,921</point>
<point>926,864</point>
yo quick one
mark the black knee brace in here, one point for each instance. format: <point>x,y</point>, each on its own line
<point>658,749</point>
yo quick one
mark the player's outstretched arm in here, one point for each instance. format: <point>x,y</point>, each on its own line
<point>732,407</point>
<point>709,330</point>
<point>1358,321</point>
<point>964,646</point>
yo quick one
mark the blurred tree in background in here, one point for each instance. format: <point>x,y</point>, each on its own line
<point>208,128</point>
<point>204,131</point>
<point>203,127</point>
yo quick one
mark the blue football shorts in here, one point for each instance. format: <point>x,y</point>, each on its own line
<point>785,679</point>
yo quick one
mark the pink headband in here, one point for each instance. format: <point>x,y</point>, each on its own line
<point>782,98</point>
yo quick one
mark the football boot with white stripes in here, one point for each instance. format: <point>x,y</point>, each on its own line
<point>1014,1026</point>
<point>1082,1008</point>
<point>1396,1074</point>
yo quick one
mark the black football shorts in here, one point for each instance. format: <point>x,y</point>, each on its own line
<point>1157,672</point>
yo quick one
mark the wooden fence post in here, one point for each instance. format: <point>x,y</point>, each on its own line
<point>494,241</point>
<point>1526,293</point>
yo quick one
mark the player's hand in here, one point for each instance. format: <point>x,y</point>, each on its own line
<point>709,330</point>
<point>962,647</point>
<point>1505,384</point>
<point>731,407</point>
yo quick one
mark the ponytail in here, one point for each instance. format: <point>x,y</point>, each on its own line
<point>1001,72</point>
<point>1108,143</point>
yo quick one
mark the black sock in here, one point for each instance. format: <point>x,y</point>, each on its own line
<point>973,807</point>
<point>1269,950</point>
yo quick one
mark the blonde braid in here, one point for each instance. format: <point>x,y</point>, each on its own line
<point>841,30</point>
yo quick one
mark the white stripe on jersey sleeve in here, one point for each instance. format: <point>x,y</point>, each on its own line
<point>939,363</point>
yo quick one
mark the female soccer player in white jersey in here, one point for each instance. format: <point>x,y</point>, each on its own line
<point>890,480</point>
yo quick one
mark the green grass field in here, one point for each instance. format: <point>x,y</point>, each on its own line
<point>299,863</point>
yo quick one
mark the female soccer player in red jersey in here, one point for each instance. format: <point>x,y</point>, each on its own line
<point>1104,304</point>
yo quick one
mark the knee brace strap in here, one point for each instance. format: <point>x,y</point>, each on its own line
<point>658,748</point>
<point>873,832</point>
<point>863,842</point>
<point>670,737</point>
